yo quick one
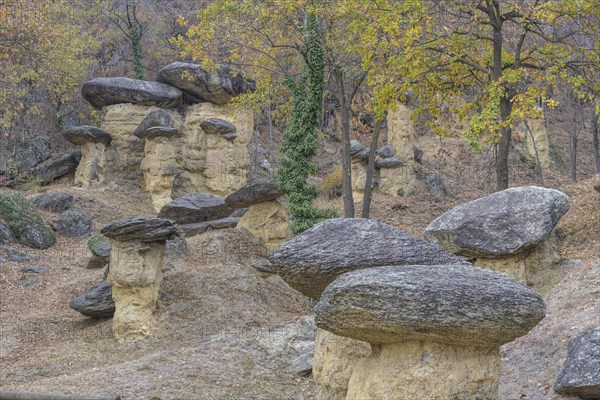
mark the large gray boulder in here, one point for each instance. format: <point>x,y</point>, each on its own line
<point>102,92</point>
<point>6,235</point>
<point>218,126</point>
<point>96,302</point>
<point>201,227</point>
<point>500,224</point>
<point>454,304</point>
<point>200,85</point>
<point>25,221</point>
<point>18,156</point>
<point>312,260</point>
<point>254,193</point>
<point>158,123</point>
<point>580,374</point>
<point>49,170</point>
<point>195,207</point>
<point>74,224</point>
<point>145,229</point>
<point>81,135</point>
<point>53,202</point>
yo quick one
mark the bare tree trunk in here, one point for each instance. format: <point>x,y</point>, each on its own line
<point>346,158</point>
<point>595,128</point>
<point>574,156</point>
<point>538,167</point>
<point>370,171</point>
<point>503,147</point>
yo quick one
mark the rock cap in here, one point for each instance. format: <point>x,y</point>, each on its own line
<point>158,123</point>
<point>101,92</point>
<point>80,135</point>
<point>254,193</point>
<point>195,207</point>
<point>145,229</point>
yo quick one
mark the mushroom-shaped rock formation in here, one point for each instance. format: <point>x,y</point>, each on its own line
<point>195,207</point>
<point>138,246</point>
<point>511,231</point>
<point>580,374</point>
<point>93,142</point>
<point>218,126</point>
<point>200,85</point>
<point>102,92</point>
<point>390,162</point>
<point>315,258</point>
<point>424,321</point>
<point>158,123</point>
<point>254,193</point>
<point>386,151</point>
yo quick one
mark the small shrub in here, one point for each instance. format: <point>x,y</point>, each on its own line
<point>333,180</point>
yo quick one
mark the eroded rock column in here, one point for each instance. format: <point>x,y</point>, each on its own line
<point>138,246</point>
<point>94,144</point>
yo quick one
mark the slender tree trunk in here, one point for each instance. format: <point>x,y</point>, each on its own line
<point>538,166</point>
<point>346,158</point>
<point>574,156</point>
<point>595,128</point>
<point>370,171</point>
<point>503,147</point>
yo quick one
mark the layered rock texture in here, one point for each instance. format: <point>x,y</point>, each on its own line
<point>138,246</point>
<point>426,320</point>
<point>511,231</point>
<point>93,142</point>
<point>96,302</point>
<point>580,374</point>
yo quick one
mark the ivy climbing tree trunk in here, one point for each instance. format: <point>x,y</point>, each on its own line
<point>301,140</point>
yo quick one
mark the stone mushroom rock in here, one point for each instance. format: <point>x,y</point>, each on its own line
<point>53,202</point>
<point>195,207</point>
<point>425,320</point>
<point>84,134</point>
<point>316,257</point>
<point>580,374</point>
<point>143,229</point>
<point>135,273</point>
<point>254,193</point>
<point>390,162</point>
<point>500,224</point>
<point>218,126</point>
<point>200,85</point>
<point>101,92</point>
<point>158,123</point>
<point>358,151</point>
<point>96,302</point>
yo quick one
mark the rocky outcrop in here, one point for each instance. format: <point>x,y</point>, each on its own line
<point>18,156</point>
<point>101,92</point>
<point>426,320</point>
<point>96,302</point>
<point>158,123</point>
<point>200,85</point>
<point>316,257</point>
<point>53,202</point>
<point>195,207</point>
<point>84,134</point>
<point>49,170</point>
<point>268,221</point>
<point>505,225</point>
<point>138,246</point>
<point>217,126</point>
<point>580,374</point>
<point>74,224</point>
<point>25,221</point>
<point>6,235</point>
<point>201,227</point>
<point>254,193</point>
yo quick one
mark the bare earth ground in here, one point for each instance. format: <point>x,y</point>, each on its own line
<point>226,332</point>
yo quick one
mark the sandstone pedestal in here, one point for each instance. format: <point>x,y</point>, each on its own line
<point>95,148</point>
<point>138,246</point>
<point>334,360</point>
<point>268,221</point>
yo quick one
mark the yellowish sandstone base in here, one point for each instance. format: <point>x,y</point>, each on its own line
<point>268,221</point>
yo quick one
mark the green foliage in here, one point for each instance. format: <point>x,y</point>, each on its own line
<point>18,212</point>
<point>301,136</point>
<point>97,240</point>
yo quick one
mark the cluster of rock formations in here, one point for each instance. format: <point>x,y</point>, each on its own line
<point>180,132</point>
<point>510,231</point>
<point>395,314</point>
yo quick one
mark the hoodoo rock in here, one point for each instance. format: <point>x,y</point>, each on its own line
<point>84,134</point>
<point>102,92</point>
<point>195,207</point>
<point>218,126</point>
<point>200,85</point>
<point>254,193</point>
<point>93,142</point>
<point>423,321</point>
<point>312,260</point>
<point>158,123</point>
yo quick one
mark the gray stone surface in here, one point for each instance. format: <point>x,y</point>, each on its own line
<point>156,124</point>
<point>201,227</point>
<point>74,224</point>
<point>18,156</point>
<point>145,229</point>
<point>17,256</point>
<point>87,134</point>
<point>102,92</point>
<point>26,282</point>
<point>417,154</point>
<point>195,207</point>
<point>200,85</point>
<point>580,374</point>
<point>597,187</point>
<point>55,202</point>
<point>6,235</point>
<point>391,162</point>
<point>454,304</point>
<point>25,221</point>
<point>99,246</point>
<point>434,183</point>
<point>218,126</point>
<point>500,224</point>
<point>96,302</point>
<point>49,170</point>
<point>34,270</point>
<point>314,258</point>
<point>386,151</point>
<point>302,365</point>
<point>175,248</point>
<point>358,151</point>
<point>254,193</point>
